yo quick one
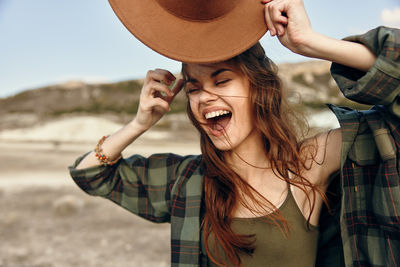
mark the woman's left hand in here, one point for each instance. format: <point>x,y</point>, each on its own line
<point>289,21</point>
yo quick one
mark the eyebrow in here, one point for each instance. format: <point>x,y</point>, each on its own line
<point>213,75</point>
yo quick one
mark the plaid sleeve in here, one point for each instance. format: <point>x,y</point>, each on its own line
<point>381,84</point>
<point>141,185</point>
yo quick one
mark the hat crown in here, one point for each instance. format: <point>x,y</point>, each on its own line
<point>198,9</point>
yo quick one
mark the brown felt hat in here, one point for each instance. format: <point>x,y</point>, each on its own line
<point>194,31</point>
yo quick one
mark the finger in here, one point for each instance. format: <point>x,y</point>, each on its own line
<point>268,21</point>
<point>280,30</point>
<point>160,105</point>
<point>277,13</point>
<point>156,89</point>
<point>280,22</point>
<point>152,103</point>
<point>166,76</point>
<point>176,89</point>
<point>160,75</point>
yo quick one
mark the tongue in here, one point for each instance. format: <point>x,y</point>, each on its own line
<point>221,123</point>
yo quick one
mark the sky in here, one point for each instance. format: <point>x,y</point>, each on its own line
<point>43,42</point>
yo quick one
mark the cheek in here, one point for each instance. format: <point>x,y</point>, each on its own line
<point>247,113</point>
<point>194,108</point>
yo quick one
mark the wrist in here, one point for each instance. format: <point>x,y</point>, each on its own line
<point>136,127</point>
<point>311,45</point>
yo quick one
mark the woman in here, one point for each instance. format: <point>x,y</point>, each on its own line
<point>254,169</point>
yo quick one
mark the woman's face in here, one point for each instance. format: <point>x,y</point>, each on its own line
<point>219,99</point>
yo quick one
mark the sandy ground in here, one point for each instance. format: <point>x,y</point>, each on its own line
<point>46,220</point>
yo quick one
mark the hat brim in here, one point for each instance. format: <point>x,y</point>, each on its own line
<point>193,41</point>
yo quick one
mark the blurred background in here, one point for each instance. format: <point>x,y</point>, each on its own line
<point>71,73</point>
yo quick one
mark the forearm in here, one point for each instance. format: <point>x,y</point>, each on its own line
<point>381,84</point>
<point>114,145</point>
<point>347,53</point>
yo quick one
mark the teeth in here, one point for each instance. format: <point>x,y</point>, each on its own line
<point>214,114</point>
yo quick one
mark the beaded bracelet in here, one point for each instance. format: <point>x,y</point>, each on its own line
<point>100,155</point>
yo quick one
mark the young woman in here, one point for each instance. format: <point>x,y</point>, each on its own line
<point>254,195</point>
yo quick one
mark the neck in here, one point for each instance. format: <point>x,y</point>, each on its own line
<point>248,159</point>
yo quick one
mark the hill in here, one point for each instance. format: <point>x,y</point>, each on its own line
<point>309,84</point>
<point>121,97</point>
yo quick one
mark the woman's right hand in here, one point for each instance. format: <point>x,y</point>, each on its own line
<point>156,97</point>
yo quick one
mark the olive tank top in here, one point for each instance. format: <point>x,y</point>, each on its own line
<point>272,247</point>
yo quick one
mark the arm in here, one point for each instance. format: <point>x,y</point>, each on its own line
<point>141,185</point>
<point>380,85</point>
<point>155,99</point>
<point>289,21</point>
<point>365,67</point>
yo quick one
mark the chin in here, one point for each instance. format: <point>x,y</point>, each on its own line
<point>223,148</point>
<point>221,143</point>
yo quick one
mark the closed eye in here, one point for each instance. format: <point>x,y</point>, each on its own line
<point>192,91</point>
<point>222,81</point>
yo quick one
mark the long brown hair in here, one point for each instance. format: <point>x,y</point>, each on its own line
<point>279,127</point>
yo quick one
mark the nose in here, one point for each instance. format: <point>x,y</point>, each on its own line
<point>206,96</point>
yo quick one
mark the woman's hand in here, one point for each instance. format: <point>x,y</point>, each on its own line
<point>156,97</point>
<point>288,20</point>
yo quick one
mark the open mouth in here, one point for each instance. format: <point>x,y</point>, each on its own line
<point>218,120</point>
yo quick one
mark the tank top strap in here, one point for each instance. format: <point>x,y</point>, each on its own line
<point>292,198</point>
<point>289,186</point>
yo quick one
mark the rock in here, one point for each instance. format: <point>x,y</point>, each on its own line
<point>67,205</point>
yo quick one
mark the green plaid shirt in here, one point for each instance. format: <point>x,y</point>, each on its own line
<point>364,229</point>
<point>369,214</point>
